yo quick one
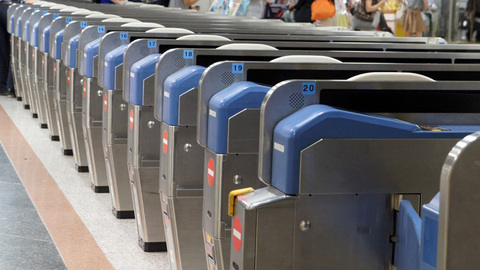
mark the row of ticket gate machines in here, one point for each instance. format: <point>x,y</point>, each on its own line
<point>252,144</point>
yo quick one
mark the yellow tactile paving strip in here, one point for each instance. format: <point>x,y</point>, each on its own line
<point>73,240</point>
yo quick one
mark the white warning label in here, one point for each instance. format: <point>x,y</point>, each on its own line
<point>279,147</point>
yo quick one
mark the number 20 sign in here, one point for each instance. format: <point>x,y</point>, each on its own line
<point>308,88</point>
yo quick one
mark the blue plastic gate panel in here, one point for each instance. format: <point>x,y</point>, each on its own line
<point>27,28</point>
<point>72,51</point>
<point>407,248</point>
<point>429,241</point>
<point>34,42</point>
<point>112,60</point>
<point>315,122</point>
<point>90,51</point>
<point>174,86</point>
<point>58,43</point>
<point>225,104</point>
<point>140,71</point>
<point>46,40</point>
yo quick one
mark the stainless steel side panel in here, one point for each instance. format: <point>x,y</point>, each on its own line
<point>39,87</point>
<point>181,170</point>
<point>262,237</point>
<point>14,59</point>
<point>22,70</point>
<point>230,172</point>
<point>143,170</point>
<point>32,78</point>
<point>392,166</point>
<point>74,116</point>
<point>92,105</point>
<point>348,231</point>
<point>50,95</point>
<point>115,149</point>
<point>459,197</point>
<point>60,103</point>
<point>183,228</point>
<point>146,201</point>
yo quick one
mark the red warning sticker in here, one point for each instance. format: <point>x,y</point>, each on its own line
<point>165,141</point>
<point>43,61</point>
<point>68,78</point>
<point>33,56</point>
<point>131,119</point>
<point>105,101</point>
<point>237,234</point>
<point>84,89</point>
<point>211,172</point>
<point>54,69</point>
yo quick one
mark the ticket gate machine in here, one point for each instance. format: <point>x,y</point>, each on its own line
<point>19,53</point>
<point>74,89</point>
<point>233,153</point>
<point>40,35</point>
<point>14,48</point>
<point>114,123</point>
<point>32,71</point>
<point>176,93</point>
<point>59,80</point>
<point>170,60</point>
<point>89,42</point>
<point>47,70</point>
<point>333,191</point>
<point>44,94</point>
<point>23,54</point>
<point>140,60</point>
<point>141,162</point>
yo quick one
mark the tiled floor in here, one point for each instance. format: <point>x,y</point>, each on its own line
<point>79,221</point>
<point>24,241</point>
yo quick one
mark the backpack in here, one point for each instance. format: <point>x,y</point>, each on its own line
<point>322,9</point>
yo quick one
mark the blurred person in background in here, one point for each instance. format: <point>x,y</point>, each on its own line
<point>6,81</point>
<point>378,22</point>
<point>472,12</point>
<point>413,23</point>
<point>302,11</point>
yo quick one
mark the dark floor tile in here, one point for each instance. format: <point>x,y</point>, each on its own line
<point>14,195</point>
<point>23,253</point>
<point>7,172</point>
<point>26,224</point>
<point>24,241</point>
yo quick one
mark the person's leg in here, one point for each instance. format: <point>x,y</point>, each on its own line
<point>4,49</point>
<point>476,30</point>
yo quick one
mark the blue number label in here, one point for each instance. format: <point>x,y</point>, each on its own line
<point>44,12</point>
<point>83,24</point>
<point>123,36</point>
<point>237,68</point>
<point>36,9</point>
<point>152,44</point>
<point>101,29</point>
<point>187,54</point>
<point>68,20</point>
<point>55,16</point>
<point>308,88</point>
